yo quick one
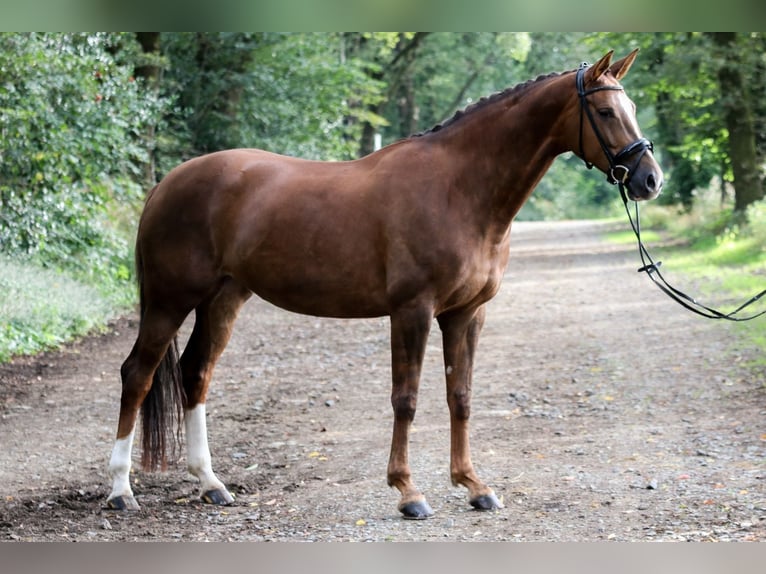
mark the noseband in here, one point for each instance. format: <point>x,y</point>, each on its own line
<point>619,172</point>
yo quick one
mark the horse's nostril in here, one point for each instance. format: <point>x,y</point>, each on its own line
<point>651,183</point>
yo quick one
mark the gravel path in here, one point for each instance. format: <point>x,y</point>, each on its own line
<point>601,411</point>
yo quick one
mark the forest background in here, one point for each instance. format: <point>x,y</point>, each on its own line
<point>89,122</point>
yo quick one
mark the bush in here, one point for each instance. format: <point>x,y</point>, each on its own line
<point>707,219</point>
<point>71,124</point>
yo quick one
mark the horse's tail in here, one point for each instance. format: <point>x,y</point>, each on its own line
<point>162,409</point>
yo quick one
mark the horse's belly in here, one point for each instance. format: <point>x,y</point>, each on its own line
<point>309,287</point>
<point>310,300</point>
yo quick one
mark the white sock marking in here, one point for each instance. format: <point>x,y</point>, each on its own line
<point>198,453</point>
<point>119,466</point>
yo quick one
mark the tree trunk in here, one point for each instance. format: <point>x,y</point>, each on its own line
<point>408,111</point>
<point>150,70</point>
<point>739,121</point>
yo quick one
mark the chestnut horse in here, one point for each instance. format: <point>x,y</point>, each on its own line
<point>417,230</point>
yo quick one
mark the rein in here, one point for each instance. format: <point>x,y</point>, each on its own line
<point>650,267</point>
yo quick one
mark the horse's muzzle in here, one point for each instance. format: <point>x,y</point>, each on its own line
<point>646,182</point>
<point>646,188</point>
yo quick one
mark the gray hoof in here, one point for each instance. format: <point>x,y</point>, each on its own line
<point>419,510</point>
<point>487,502</point>
<point>124,502</point>
<point>217,496</point>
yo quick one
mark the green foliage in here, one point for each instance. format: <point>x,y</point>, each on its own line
<point>289,93</point>
<point>570,191</point>
<point>70,117</point>
<point>560,51</point>
<point>324,96</point>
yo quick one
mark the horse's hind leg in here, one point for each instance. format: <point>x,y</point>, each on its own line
<point>156,333</point>
<point>460,334</point>
<point>212,328</point>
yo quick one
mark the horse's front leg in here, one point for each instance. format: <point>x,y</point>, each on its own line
<point>409,334</point>
<point>460,333</point>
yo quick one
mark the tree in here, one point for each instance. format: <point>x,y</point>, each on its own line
<point>205,77</point>
<point>389,58</point>
<point>457,69</point>
<point>679,86</point>
<point>738,117</point>
<point>706,90</point>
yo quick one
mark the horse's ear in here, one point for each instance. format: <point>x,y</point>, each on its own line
<point>599,68</point>
<point>621,67</point>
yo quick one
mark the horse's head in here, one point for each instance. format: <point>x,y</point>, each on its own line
<point>608,133</point>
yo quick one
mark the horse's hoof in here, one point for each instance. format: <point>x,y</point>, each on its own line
<point>217,496</point>
<point>418,510</point>
<point>123,502</point>
<point>487,502</point>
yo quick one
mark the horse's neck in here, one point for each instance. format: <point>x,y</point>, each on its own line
<point>507,147</point>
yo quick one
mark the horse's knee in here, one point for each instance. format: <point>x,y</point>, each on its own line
<point>404,406</point>
<point>460,404</point>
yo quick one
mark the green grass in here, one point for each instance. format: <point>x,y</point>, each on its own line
<point>720,268</point>
<point>41,309</point>
<point>729,271</point>
<point>725,268</point>
<point>627,237</point>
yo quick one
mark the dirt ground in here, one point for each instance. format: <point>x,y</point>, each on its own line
<point>601,411</point>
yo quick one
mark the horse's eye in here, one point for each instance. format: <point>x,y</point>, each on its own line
<point>606,112</point>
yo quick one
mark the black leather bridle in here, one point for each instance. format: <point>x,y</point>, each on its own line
<point>618,162</point>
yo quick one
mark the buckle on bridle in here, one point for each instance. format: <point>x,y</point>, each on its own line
<point>613,179</point>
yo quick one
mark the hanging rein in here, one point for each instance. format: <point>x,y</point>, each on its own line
<point>620,174</point>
